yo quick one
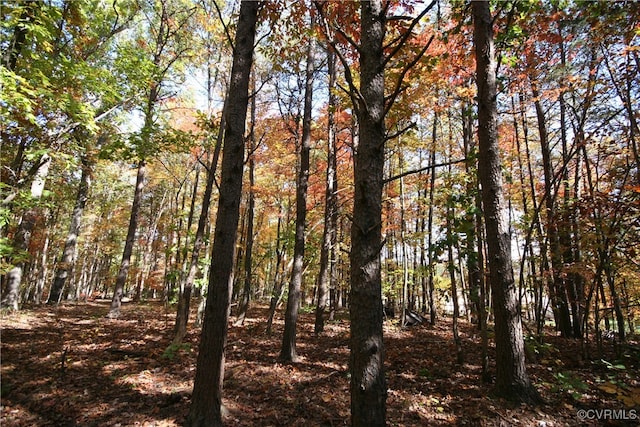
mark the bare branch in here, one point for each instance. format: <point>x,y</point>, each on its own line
<point>354,93</point>
<point>426,168</point>
<point>402,40</point>
<point>398,88</point>
<point>401,131</point>
<point>225,26</point>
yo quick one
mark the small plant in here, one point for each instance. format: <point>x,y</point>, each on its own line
<point>571,384</point>
<point>540,350</point>
<point>613,366</point>
<point>424,372</point>
<point>307,309</point>
<point>172,351</point>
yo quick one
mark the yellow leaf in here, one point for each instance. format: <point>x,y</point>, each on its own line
<point>608,388</point>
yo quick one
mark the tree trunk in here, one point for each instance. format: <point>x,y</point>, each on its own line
<point>512,380</point>
<point>67,261</point>
<point>13,279</point>
<point>433,309</point>
<point>327,261</point>
<point>206,404</point>
<point>18,40</point>
<point>278,285</point>
<point>288,350</point>
<point>121,278</point>
<point>403,253</point>
<point>368,383</point>
<point>184,303</point>
<point>248,275</point>
<point>454,283</point>
<point>557,289</point>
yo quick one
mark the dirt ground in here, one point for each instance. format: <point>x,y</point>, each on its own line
<point>70,366</point>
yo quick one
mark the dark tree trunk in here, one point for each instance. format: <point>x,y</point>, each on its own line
<point>482,300</point>
<point>206,404</point>
<point>288,350</point>
<point>118,293</point>
<point>512,380</point>
<point>454,284</point>
<point>433,308</point>
<point>557,289</point>
<point>28,15</point>
<point>278,285</point>
<point>473,267</point>
<point>248,275</point>
<point>66,265</point>
<point>327,263</point>
<point>184,303</point>
<point>13,279</point>
<point>368,383</point>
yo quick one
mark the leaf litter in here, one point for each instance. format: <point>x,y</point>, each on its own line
<point>70,366</point>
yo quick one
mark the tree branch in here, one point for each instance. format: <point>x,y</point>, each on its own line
<point>402,40</point>
<point>401,131</point>
<point>411,172</point>
<point>398,89</point>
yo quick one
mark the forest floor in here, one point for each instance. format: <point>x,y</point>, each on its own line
<point>70,366</point>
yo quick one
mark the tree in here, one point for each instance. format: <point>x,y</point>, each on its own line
<point>245,298</point>
<point>288,350</point>
<point>512,380</point>
<point>206,403</point>
<point>327,274</point>
<point>50,96</point>
<point>169,30</point>
<point>67,259</point>
<point>368,383</point>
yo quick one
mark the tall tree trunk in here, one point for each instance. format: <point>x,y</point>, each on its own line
<point>184,303</point>
<point>43,270</point>
<point>13,279</point>
<point>327,261</point>
<point>454,284</point>
<point>473,267</point>
<point>206,403</point>
<point>368,383</point>
<point>288,350</point>
<point>121,278</point>
<point>403,253</point>
<point>248,275</point>
<point>557,287</point>
<point>541,308</point>
<point>433,308</point>
<point>482,300</point>
<point>67,261</point>
<point>572,282</point>
<point>278,285</point>
<point>512,380</point>
<point>14,50</point>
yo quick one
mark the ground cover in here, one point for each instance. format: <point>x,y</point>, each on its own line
<point>70,366</point>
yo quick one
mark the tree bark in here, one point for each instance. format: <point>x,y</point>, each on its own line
<point>121,278</point>
<point>184,303</point>
<point>368,384</point>
<point>433,308</point>
<point>206,403</point>
<point>512,380</point>
<point>13,279</point>
<point>278,285</point>
<point>454,284</point>
<point>557,286</point>
<point>327,261</point>
<point>248,275</point>
<point>288,350</point>
<point>67,261</point>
